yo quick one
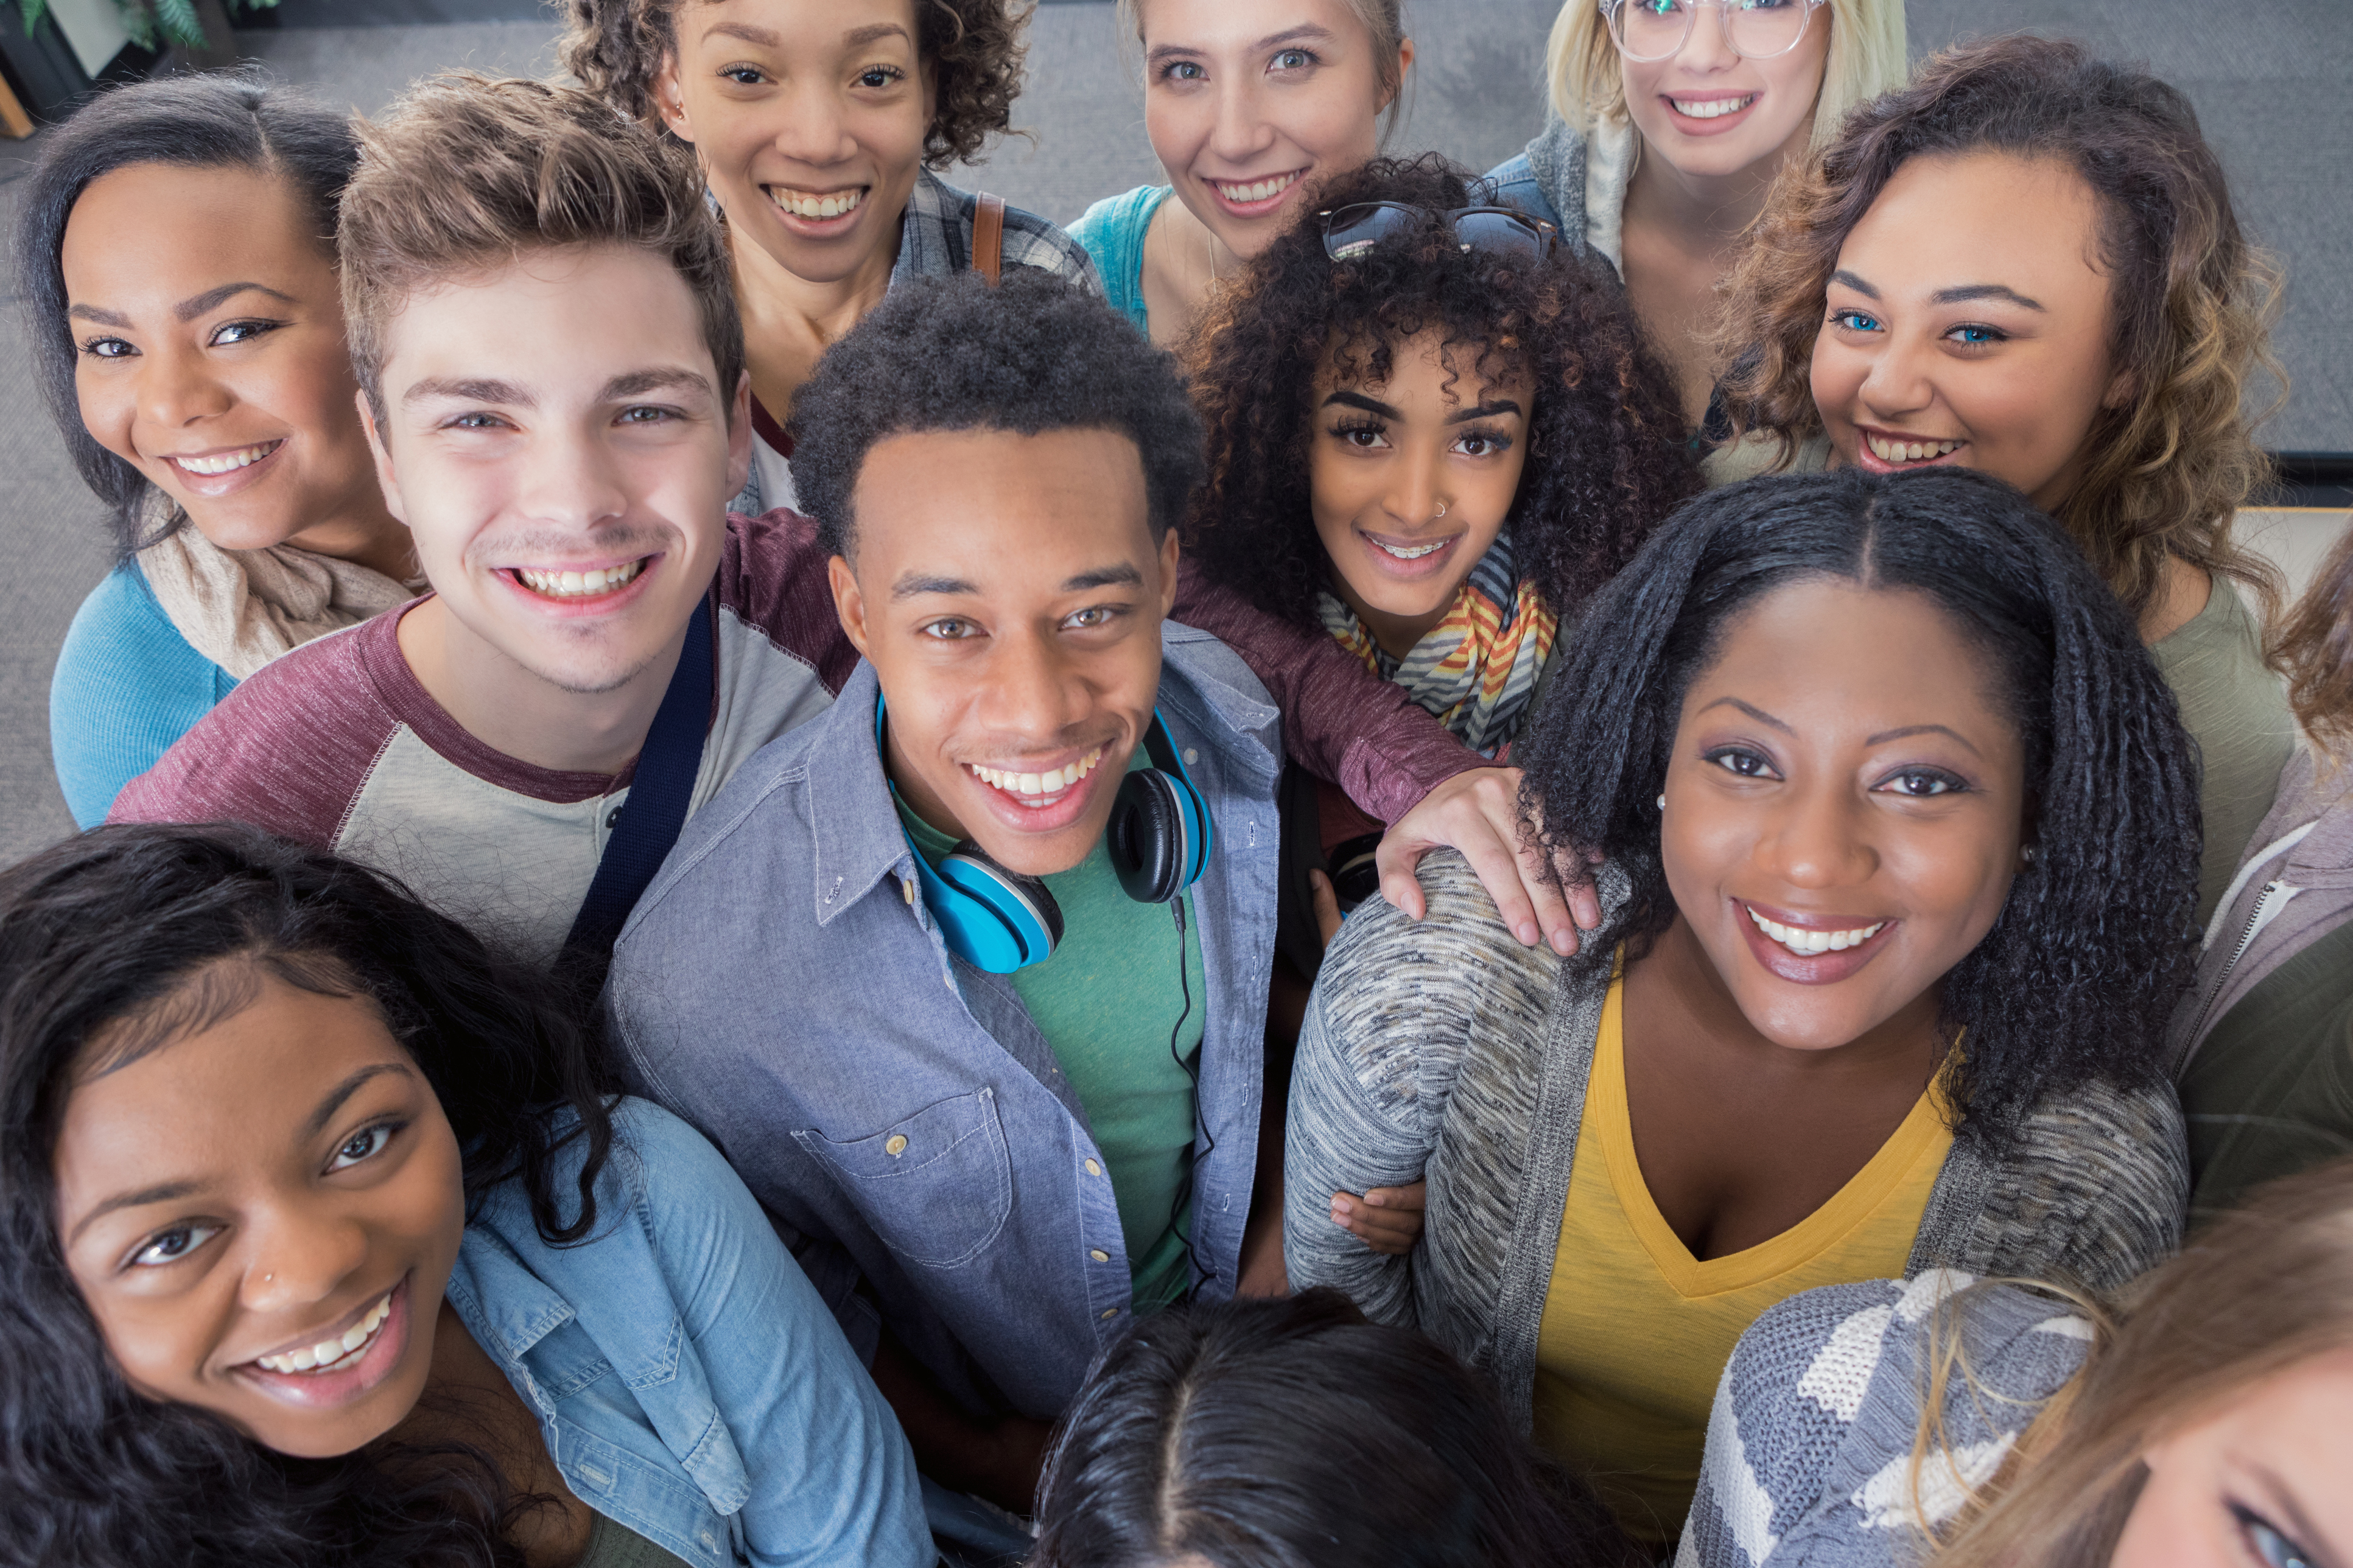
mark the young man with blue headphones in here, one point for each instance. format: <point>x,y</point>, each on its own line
<point>968,976</point>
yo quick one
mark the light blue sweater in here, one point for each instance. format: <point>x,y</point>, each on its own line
<point>127,686</point>
<point>1112,232</point>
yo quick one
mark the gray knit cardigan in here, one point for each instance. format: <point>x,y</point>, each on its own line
<point>1443,1048</point>
<point>1810,1445</point>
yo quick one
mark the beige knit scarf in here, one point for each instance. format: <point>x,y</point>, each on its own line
<point>241,609</point>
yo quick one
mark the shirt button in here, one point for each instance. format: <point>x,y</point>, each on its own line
<point>895,1145</point>
<point>1099,1254</point>
<point>1192,756</point>
<point>1093,1169</point>
<point>1111,1311</point>
<point>612,819</point>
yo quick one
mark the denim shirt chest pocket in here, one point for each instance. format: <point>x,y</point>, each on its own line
<point>937,1186</point>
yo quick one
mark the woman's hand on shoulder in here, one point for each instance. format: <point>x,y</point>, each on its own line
<point>1478,813</point>
<point>1386,1220</point>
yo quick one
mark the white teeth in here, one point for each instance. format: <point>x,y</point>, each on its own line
<point>1053,783</point>
<point>226,462</point>
<point>579,585</point>
<point>1413,554</point>
<point>1888,451</point>
<point>331,1355</point>
<point>801,204</point>
<point>1711,107</point>
<point>1257,190</point>
<point>1807,944</point>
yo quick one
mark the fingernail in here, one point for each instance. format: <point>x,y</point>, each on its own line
<point>1528,934</point>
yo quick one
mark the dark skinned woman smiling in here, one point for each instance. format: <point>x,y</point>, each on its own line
<point>1902,850</point>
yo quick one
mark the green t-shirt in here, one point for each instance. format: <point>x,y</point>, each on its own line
<point>1107,1001</point>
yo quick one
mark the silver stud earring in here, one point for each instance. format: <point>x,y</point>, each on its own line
<point>2030,855</point>
<point>1663,800</point>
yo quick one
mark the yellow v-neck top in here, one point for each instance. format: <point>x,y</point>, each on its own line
<point>1636,1330</point>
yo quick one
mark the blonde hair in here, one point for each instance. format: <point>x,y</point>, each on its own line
<point>1383,25</point>
<point>2258,1292</point>
<point>1587,84</point>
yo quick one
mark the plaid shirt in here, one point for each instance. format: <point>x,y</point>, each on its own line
<point>935,241</point>
<point>935,238</point>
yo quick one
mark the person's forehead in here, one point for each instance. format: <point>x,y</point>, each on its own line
<point>1001,508</point>
<point>1982,212</point>
<point>546,312</point>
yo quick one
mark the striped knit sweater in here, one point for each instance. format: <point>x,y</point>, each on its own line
<point>1810,1446</point>
<point>1442,1047</point>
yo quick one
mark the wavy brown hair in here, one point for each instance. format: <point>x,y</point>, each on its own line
<point>2315,649</point>
<point>2192,296</point>
<point>1607,450</point>
<point>974,49</point>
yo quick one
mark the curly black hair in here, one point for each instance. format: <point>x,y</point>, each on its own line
<point>1607,448</point>
<point>123,939</point>
<point>1032,354</point>
<point>219,120</point>
<point>2080,970</point>
<point>974,47</point>
<point>1208,1434</point>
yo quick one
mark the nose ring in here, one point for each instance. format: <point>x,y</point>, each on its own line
<point>1441,508</point>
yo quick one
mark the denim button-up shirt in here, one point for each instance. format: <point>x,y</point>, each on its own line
<point>781,986</point>
<point>689,1382</point>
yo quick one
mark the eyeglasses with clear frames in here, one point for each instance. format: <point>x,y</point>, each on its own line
<point>1647,30</point>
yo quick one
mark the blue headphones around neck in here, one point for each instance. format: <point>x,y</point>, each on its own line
<point>997,919</point>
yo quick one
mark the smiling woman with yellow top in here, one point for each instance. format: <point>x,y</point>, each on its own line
<point>1902,847</point>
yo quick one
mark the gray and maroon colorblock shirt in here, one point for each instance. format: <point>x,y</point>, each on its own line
<point>338,746</point>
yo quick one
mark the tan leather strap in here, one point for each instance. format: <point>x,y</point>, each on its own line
<point>988,236</point>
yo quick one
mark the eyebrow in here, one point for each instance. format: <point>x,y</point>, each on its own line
<point>636,382</point>
<point>144,1195</point>
<point>196,305</point>
<point>873,33</point>
<point>1908,729</point>
<point>1491,406</point>
<point>1960,293</point>
<point>1753,712</point>
<point>1306,30</point>
<point>1123,575</point>
<point>343,1091</point>
<point>471,389</point>
<point>913,583</point>
<point>1358,400</point>
<point>1855,282</point>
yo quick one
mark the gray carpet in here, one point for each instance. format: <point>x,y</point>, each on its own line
<point>2253,72</point>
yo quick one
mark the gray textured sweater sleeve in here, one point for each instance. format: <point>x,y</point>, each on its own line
<point>1378,1057</point>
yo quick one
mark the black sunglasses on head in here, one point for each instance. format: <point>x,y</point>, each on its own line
<point>1351,231</point>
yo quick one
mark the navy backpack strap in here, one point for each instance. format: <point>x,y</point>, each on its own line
<point>652,816</point>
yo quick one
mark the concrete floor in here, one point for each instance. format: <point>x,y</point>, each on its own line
<point>1476,95</point>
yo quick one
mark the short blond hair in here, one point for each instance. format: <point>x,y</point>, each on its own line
<point>466,172</point>
<point>1587,84</point>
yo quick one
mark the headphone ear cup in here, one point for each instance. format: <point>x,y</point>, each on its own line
<point>1150,837</point>
<point>1005,921</point>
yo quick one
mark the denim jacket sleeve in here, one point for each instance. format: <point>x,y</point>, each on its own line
<point>741,1371</point>
<point>832,1480</point>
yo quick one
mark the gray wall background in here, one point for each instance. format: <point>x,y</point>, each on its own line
<point>2267,75</point>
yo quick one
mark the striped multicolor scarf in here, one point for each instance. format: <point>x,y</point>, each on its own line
<point>1477,668</point>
